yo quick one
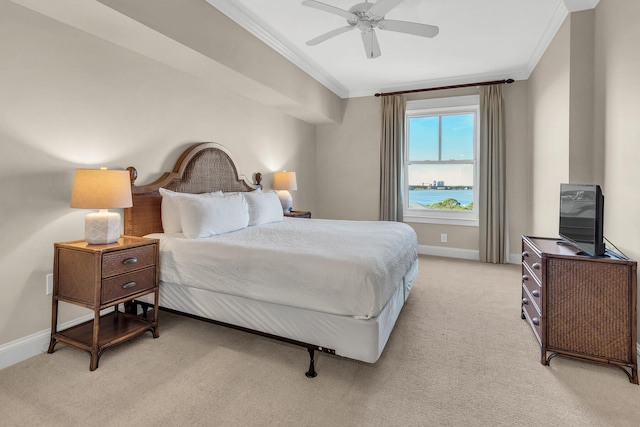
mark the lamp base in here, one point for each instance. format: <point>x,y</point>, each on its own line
<point>285,200</point>
<point>102,227</point>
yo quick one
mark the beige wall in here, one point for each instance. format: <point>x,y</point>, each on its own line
<point>70,100</point>
<point>348,163</point>
<point>549,104</point>
<point>561,95</point>
<point>272,79</point>
<point>581,142</point>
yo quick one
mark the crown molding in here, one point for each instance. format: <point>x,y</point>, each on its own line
<point>267,35</point>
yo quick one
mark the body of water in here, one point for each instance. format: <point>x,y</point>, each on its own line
<point>429,197</point>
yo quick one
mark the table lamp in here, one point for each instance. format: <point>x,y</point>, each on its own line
<point>101,189</point>
<point>283,182</point>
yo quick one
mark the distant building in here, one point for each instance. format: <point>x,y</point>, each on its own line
<point>440,184</point>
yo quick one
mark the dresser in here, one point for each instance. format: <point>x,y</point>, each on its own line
<point>99,277</point>
<point>579,306</point>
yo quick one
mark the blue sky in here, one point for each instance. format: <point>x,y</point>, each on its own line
<point>457,144</point>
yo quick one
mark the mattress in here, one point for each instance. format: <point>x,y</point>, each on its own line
<point>345,268</point>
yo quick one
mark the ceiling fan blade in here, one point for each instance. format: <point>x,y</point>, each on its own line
<point>371,46</point>
<point>414,28</point>
<point>329,8</point>
<point>330,34</point>
<point>381,7</point>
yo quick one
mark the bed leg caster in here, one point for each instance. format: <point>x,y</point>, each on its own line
<point>311,373</point>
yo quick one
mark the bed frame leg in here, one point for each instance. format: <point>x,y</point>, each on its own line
<point>311,373</point>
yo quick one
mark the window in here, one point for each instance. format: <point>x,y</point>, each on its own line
<point>441,161</point>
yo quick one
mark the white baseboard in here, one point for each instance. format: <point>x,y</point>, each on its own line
<point>26,347</point>
<point>471,254</point>
<point>515,258</point>
<point>449,252</point>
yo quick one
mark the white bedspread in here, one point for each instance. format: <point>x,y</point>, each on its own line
<point>340,267</point>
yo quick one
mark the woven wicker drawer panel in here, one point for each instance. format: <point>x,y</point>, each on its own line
<point>116,262</point>
<point>584,301</point>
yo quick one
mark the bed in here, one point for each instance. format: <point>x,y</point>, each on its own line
<point>332,286</point>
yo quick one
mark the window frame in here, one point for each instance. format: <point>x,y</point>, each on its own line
<point>442,107</point>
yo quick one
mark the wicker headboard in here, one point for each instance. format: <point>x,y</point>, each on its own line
<point>202,168</point>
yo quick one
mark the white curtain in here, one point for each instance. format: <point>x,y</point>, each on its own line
<point>391,157</point>
<point>493,215</point>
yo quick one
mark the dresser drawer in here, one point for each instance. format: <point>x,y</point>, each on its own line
<point>128,260</point>
<point>127,284</point>
<point>534,319</point>
<point>532,296</point>
<point>532,262</point>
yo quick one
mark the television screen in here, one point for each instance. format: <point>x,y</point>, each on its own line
<point>581,217</point>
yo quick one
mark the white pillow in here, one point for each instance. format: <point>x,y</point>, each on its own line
<point>169,208</point>
<point>263,208</point>
<point>208,216</point>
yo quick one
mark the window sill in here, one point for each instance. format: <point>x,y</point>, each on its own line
<point>467,222</point>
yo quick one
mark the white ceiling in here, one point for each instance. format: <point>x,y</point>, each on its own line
<point>479,40</point>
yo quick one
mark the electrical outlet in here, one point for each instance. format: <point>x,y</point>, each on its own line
<point>49,283</point>
<point>443,238</point>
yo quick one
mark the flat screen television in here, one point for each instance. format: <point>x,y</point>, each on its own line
<point>581,217</point>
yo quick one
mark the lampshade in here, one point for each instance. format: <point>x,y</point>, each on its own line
<point>285,181</point>
<point>101,189</point>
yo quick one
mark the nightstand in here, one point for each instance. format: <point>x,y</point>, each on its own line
<point>298,214</point>
<point>99,277</point>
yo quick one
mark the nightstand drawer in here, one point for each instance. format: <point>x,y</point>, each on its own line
<point>127,284</point>
<point>128,260</point>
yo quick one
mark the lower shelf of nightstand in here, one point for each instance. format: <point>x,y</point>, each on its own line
<point>114,328</point>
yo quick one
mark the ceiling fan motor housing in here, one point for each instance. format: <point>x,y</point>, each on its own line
<point>363,19</point>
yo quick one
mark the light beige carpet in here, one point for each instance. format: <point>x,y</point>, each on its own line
<point>459,356</point>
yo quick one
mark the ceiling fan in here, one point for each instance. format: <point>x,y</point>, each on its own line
<point>367,17</point>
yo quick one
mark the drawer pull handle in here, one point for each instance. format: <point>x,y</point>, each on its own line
<point>131,260</point>
<point>525,254</point>
<point>129,285</point>
<point>525,277</point>
<point>536,265</point>
<point>536,293</point>
<point>525,301</point>
<point>536,321</point>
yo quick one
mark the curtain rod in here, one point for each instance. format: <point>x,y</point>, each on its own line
<point>401,92</point>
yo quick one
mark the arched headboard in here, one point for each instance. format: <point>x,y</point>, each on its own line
<point>202,168</point>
